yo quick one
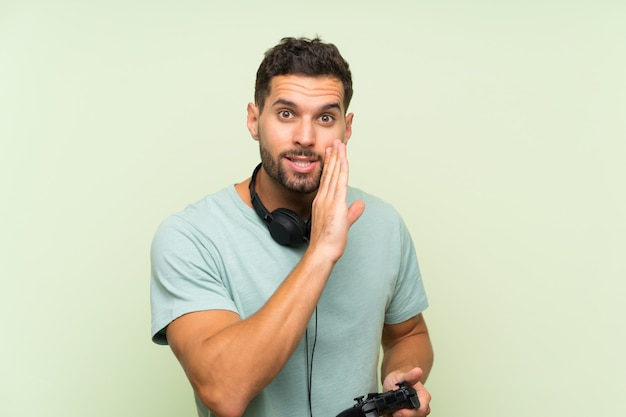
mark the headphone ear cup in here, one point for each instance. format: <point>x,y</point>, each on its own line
<point>287,228</point>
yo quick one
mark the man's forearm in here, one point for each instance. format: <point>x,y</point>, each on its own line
<point>410,350</point>
<point>416,352</point>
<point>249,353</point>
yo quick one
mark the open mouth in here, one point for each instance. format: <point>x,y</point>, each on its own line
<point>302,164</point>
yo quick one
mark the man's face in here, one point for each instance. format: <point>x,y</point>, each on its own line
<point>302,116</point>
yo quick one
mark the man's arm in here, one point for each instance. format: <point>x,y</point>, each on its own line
<point>408,356</point>
<point>229,360</point>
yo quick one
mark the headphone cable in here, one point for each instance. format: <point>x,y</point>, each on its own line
<point>309,366</point>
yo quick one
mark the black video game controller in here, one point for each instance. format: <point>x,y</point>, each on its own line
<point>379,404</point>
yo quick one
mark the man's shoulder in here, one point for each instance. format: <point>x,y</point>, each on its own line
<point>374,203</point>
<point>210,205</point>
<point>206,213</point>
<point>380,217</point>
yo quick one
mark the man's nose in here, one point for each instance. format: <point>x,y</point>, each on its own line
<point>304,134</point>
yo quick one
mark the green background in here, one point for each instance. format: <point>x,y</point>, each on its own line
<point>496,128</point>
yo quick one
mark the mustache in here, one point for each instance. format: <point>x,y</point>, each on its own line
<point>302,153</point>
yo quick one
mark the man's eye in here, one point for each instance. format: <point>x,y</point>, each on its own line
<point>285,114</point>
<point>327,118</point>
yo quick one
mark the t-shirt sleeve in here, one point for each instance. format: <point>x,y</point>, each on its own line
<point>409,296</point>
<point>185,276</point>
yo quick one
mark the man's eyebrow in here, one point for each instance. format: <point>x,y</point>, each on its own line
<point>291,104</point>
<point>332,106</point>
<point>284,102</point>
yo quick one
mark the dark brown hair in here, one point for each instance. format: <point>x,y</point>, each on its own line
<point>302,56</point>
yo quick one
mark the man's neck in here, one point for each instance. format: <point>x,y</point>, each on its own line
<point>273,197</point>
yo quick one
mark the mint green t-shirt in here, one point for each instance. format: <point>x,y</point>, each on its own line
<point>218,254</point>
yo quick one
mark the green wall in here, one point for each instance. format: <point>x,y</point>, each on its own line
<point>496,128</point>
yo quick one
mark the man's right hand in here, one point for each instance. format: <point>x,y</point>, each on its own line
<point>331,216</point>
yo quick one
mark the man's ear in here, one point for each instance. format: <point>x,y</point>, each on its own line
<point>348,133</point>
<point>253,120</point>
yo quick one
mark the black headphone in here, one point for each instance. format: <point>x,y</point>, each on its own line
<point>285,226</point>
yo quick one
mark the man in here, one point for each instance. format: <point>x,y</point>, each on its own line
<point>289,321</point>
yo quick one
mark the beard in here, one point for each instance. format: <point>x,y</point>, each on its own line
<point>294,182</point>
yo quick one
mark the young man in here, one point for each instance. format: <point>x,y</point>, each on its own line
<point>275,294</point>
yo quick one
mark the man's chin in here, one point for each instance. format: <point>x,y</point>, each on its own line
<point>300,188</point>
<point>301,184</point>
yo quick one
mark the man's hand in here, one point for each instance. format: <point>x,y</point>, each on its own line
<point>413,378</point>
<point>331,217</point>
